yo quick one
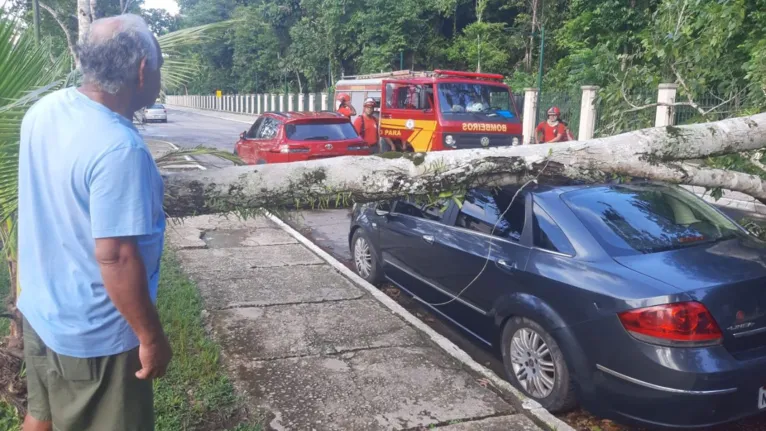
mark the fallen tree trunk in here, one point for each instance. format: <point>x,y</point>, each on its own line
<point>650,153</point>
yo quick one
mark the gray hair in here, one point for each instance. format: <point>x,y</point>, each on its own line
<point>110,53</point>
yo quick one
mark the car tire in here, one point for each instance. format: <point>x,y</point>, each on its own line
<point>522,340</point>
<point>365,260</point>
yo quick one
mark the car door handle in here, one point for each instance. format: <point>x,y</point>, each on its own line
<point>428,238</point>
<point>506,265</point>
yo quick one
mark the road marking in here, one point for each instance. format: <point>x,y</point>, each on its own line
<point>188,159</point>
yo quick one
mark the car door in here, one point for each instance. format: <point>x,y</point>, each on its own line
<point>485,254</point>
<point>246,144</point>
<point>407,237</point>
<point>265,144</point>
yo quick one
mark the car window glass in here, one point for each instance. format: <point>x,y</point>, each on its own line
<point>482,209</point>
<point>547,234</point>
<point>269,129</point>
<point>422,208</point>
<point>320,131</point>
<point>383,206</point>
<point>630,219</point>
<point>400,96</point>
<point>251,134</point>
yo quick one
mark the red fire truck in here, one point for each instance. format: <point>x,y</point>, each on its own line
<point>438,110</point>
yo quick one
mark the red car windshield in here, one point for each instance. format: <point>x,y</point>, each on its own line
<point>320,132</point>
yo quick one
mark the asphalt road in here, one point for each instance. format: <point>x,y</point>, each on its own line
<point>186,129</point>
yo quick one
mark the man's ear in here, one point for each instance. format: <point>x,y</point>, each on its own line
<point>142,73</point>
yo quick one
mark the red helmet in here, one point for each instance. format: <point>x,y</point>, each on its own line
<point>554,110</point>
<point>343,97</point>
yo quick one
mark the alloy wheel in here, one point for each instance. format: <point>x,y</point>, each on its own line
<point>362,257</point>
<point>532,363</point>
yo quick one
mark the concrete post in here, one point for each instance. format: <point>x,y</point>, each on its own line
<point>528,119</point>
<point>290,104</point>
<point>587,113</point>
<point>273,102</point>
<point>258,103</point>
<point>302,102</point>
<point>666,114</point>
<point>238,107</point>
<point>312,102</point>
<point>197,101</point>
<point>324,103</point>
<point>281,102</point>
<point>251,104</point>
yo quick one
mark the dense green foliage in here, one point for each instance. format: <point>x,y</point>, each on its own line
<point>714,49</point>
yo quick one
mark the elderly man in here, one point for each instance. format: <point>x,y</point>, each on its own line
<point>91,228</point>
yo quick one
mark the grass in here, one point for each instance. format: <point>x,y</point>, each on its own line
<point>195,394</point>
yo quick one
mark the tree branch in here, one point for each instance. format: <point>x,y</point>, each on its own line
<point>64,28</point>
<point>650,153</point>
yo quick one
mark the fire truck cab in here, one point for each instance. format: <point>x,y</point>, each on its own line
<point>438,110</point>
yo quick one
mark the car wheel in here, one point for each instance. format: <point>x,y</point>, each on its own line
<point>365,262</point>
<point>535,365</point>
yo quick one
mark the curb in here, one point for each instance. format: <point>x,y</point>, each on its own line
<point>528,405</point>
<point>206,114</point>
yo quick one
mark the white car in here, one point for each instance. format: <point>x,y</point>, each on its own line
<point>156,112</point>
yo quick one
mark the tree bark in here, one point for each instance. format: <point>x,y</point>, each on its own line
<point>656,153</point>
<point>63,26</point>
<point>84,18</point>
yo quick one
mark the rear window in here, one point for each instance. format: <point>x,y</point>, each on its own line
<point>156,106</point>
<point>320,131</point>
<point>648,218</point>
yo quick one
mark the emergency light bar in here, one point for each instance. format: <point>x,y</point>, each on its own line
<point>460,74</point>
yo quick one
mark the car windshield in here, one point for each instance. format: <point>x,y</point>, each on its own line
<point>320,131</point>
<point>491,100</point>
<point>648,218</point>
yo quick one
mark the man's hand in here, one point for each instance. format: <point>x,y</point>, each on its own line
<point>154,358</point>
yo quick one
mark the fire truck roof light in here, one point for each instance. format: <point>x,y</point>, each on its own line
<point>468,74</point>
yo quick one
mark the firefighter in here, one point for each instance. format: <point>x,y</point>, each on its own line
<point>553,129</point>
<point>345,107</point>
<point>367,125</point>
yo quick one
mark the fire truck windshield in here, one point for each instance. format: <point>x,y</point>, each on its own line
<point>487,99</point>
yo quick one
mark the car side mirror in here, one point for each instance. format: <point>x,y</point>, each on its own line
<point>242,135</point>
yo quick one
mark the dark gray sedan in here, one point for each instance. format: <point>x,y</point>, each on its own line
<point>640,301</point>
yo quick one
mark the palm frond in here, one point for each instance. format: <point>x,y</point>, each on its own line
<point>26,74</point>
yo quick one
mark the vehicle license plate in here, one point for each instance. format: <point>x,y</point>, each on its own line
<point>762,398</point>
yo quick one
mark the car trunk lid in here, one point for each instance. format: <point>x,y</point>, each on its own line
<point>728,277</point>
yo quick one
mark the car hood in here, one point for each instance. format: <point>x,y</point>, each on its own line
<point>728,277</point>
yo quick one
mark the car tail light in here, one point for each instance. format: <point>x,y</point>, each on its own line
<point>680,324</point>
<point>285,148</point>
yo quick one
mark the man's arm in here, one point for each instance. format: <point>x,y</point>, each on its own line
<point>125,281</point>
<point>122,191</point>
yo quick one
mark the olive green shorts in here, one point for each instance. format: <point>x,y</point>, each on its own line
<point>91,394</point>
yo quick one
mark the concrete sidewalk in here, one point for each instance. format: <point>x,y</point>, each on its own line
<point>314,350</point>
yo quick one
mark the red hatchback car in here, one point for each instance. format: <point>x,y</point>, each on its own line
<point>278,137</point>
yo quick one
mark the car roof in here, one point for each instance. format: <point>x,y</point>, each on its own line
<point>307,117</point>
<point>555,190</point>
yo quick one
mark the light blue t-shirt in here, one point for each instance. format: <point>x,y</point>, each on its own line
<point>84,173</point>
